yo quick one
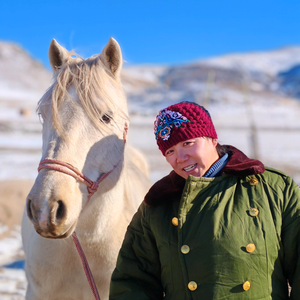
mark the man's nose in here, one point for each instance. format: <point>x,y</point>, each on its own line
<point>181,156</point>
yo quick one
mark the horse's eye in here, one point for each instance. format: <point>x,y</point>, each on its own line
<point>106,118</point>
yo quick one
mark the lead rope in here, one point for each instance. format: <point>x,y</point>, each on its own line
<point>85,264</point>
<point>86,267</point>
<point>92,187</point>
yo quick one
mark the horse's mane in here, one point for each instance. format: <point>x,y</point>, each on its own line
<point>95,86</point>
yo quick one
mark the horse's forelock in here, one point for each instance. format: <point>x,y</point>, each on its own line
<point>95,86</point>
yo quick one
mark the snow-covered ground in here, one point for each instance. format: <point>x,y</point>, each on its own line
<point>278,131</point>
<point>12,276</point>
<point>12,284</point>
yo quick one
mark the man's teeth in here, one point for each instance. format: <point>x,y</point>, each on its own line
<point>189,168</point>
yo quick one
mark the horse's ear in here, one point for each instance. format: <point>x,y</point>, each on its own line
<point>58,55</point>
<point>111,56</point>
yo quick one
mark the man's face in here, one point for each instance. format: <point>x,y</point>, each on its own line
<point>192,157</point>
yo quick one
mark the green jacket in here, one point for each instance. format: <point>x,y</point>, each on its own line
<point>229,237</point>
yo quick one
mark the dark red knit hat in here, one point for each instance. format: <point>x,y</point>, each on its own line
<point>180,122</point>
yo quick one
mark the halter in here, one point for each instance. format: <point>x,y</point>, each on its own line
<point>92,187</point>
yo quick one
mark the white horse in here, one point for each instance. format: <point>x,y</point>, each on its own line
<point>85,122</point>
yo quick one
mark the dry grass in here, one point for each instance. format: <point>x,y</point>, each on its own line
<point>12,201</point>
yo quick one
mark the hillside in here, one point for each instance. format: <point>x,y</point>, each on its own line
<point>251,98</point>
<point>20,73</point>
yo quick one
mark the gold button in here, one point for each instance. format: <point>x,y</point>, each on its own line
<point>246,285</point>
<point>253,181</point>
<point>185,249</point>
<point>175,221</point>
<point>192,285</point>
<point>253,212</point>
<point>250,248</point>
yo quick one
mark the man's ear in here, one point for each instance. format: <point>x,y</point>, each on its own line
<point>215,142</point>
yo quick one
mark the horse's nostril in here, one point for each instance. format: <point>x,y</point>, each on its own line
<point>29,210</point>
<point>61,210</point>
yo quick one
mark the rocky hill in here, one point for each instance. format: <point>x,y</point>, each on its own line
<point>269,74</point>
<point>224,79</point>
<point>20,73</point>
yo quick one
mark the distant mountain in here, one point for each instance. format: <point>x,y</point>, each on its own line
<point>268,62</point>
<point>20,74</point>
<point>266,75</point>
<point>277,70</point>
<point>290,81</point>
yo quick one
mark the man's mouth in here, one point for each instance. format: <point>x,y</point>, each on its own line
<point>189,168</point>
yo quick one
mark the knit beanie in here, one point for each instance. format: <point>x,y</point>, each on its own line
<point>180,122</point>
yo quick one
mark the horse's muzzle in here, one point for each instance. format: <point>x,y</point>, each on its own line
<point>49,220</point>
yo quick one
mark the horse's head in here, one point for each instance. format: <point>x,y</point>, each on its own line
<point>84,115</point>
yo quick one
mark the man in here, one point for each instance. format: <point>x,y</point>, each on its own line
<point>219,226</point>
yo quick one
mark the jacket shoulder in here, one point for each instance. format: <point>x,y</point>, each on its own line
<point>168,188</point>
<point>277,178</point>
<point>274,172</point>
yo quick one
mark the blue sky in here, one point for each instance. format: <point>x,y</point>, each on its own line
<point>151,31</point>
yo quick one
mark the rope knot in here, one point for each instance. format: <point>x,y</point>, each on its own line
<point>92,188</point>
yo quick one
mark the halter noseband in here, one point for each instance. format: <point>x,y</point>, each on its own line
<point>92,186</point>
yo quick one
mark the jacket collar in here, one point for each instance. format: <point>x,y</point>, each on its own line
<point>240,165</point>
<point>171,186</point>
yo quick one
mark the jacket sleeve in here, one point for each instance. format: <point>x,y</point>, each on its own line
<point>137,274</point>
<point>290,236</point>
